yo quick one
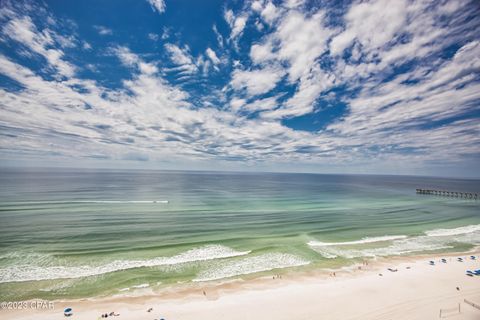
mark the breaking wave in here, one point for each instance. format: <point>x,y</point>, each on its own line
<point>437,239</point>
<point>28,272</point>
<point>264,262</point>
<point>454,231</point>
<point>362,241</point>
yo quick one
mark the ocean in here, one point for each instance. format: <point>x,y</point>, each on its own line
<point>68,233</point>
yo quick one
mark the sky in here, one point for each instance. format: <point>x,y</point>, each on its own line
<point>367,87</point>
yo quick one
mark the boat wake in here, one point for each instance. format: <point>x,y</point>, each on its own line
<point>92,201</point>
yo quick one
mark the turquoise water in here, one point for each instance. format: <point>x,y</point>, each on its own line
<point>67,234</point>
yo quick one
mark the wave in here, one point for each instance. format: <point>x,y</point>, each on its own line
<point>438,239</point>
<point>21,273</point>
<point>454,231</point>
<point>398,247</point>
<point>138,286</point>
<point>264,262</point>
<point>361,241</point>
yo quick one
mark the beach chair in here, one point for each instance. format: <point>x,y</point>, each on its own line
<point>432,263</point>
<point>444,260</point>
<point>472,257</point>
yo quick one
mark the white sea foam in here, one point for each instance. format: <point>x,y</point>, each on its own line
<point>453,232</point>
<point>264,262</point>
<point>27,272</point>
<point>432,240</point>
<point>26,257</point>
<point>362,241</point>
<point>398,247</point>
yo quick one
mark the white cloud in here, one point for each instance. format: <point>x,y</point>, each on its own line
<point>229,17</point>
<point>303,101</point>
<point>102,30</point>
<point>212,56</point>
<point>256,81</point>
<point>153,36</point>
<point>261,53</point>
<point>22,30</point>
<point>182,58</point>
<point>126,56</point>
<point>158,5</point>
<point>86,45</point>
<point>257,6</point>
<point>178,55</point>
<point>236,23</point>
<point>147,68</point>
<point>439,95</point>
<point>259,25</point>
<point>294,3</point>
<point>298,40</point>
<point>65,41</point>
<point>150,118</point>
<point>371,29</point>
<point>219,36</point>
<point>237,103</point>
<point>130,59</point>
<point>270,13</point>
<point>238,26</point>
<point>302,39</point>
<point>269,103</point>
<point>91,67</point>
<point>166,33</point>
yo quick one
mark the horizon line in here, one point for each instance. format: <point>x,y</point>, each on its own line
<point>66,168</point>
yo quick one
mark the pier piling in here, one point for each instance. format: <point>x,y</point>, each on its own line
<point>456,194</point>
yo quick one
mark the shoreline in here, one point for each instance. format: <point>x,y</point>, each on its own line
<point>263,297</point>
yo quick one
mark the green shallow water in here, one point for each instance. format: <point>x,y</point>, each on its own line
<point>66,234</point>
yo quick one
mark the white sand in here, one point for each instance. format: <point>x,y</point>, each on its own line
<point>415,293</point>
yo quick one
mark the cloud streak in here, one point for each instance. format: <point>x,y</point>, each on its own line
<point>158,5</point>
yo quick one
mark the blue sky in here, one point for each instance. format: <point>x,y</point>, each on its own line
<point>308,86</point>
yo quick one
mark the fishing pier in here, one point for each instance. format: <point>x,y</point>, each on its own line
<point>456,194</point>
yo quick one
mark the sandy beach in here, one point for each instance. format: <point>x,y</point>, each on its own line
<point>411,289</point>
